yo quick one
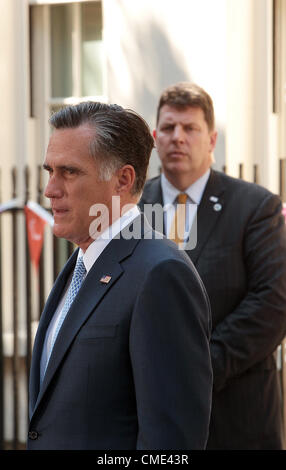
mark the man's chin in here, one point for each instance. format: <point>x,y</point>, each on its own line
<point>176,168</point>
<point>60,232</point>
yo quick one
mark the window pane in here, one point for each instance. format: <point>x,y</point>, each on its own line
<point>61,50</point>
<point>92,53</point>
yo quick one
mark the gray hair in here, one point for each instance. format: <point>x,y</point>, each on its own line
<point>121,137</point>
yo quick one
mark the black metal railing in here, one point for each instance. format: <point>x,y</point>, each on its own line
<point>20,366</point>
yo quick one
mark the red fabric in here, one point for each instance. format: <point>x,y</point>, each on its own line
<point>35,229</point>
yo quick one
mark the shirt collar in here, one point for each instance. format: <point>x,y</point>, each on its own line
<point>194,191</point>
<point>97,246</point>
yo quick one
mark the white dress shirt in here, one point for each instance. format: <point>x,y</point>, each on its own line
<point>89,257</point>
<point>170,193</point>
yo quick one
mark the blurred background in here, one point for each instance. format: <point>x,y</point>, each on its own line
<point>54,53</point>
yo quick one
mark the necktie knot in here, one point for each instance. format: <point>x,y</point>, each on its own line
<point>79,270</point>
<point>182,198</point>
<point>77,278</point>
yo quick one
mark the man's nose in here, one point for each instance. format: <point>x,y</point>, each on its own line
<point>53,188</point>
<point>178,134</point>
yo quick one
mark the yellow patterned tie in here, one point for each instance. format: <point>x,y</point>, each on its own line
<point>177,230</point>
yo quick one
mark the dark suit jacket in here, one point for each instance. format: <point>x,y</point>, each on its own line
<point>118,376</point>
<point>241,258</point>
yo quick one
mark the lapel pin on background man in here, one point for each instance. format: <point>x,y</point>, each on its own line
<point>240,253</point>
<point>109,367</point>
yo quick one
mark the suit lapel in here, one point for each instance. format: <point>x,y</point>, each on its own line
<point>209,211</point>
<point>89,295</point>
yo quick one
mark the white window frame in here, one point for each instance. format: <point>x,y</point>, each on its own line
<point>56,2</point>
<point>44,102</point>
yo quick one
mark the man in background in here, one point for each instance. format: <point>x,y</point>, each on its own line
<point>237,243</point>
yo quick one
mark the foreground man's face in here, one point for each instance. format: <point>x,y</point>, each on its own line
<point>74,184</point>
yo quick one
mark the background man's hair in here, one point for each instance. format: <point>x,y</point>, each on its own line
<point>121,137</point>
<point>185,94</point>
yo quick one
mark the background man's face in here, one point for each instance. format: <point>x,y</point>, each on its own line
<point>74,185</point>
<point>184,142</point>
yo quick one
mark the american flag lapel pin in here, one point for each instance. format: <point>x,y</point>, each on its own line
<point>105,279</point>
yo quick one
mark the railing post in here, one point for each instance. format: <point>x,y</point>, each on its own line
<point>255,174</point>
<point>41,265</point>
<point>28,285</point>
<point>282,178</point>
<point>241,171</point>
<point>15,362</point>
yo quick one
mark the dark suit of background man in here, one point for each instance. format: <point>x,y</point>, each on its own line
<point>117,376</point>
<point>241,257</point>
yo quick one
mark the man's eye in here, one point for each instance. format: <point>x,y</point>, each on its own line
<point>70,171</point>
<point>191,128</point>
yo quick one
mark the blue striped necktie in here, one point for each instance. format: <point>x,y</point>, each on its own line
<point>77,279</point>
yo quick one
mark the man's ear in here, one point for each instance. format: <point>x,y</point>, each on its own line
<point>125,179</point>
<point>154,134</point>
<point>213,139</point>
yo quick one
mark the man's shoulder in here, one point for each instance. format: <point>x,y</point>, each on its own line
<point>152,191</point>
<point>154,248</point>
<point>152,183</point>
<point>239,186</point>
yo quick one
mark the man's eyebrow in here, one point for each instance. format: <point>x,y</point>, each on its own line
<point>61,167</point>
<point>46,167</point>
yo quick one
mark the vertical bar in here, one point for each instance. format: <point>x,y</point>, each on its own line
<point>241,171</point>
<point>224,169</point>
<point>31,64</point>
<point>1,349</point>
<point>76,49</point>
<point>274,53</point>
<point>41,266</point>
<point>255,174</point>
<point>276,9</point>
<point>15,368</point>
<point>28,286</point>
<point>282,178</point>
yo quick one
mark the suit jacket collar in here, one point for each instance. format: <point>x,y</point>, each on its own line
<point>209,210</point>
<point>153,192</point>
<point>91,292</point>
<point>153,195</point>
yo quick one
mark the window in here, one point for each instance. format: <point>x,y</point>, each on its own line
<point>76,50</point>
<point>66,55</point>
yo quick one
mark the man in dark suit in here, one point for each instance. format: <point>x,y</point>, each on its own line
<point>109,368</point>
<point>237,243</point>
